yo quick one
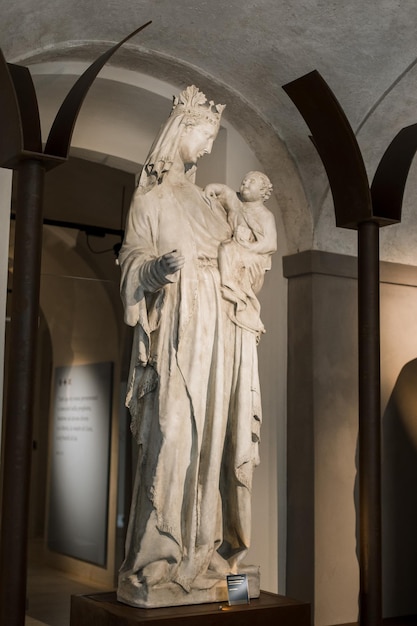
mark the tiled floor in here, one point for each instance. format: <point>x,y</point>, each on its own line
<point>49,595</point>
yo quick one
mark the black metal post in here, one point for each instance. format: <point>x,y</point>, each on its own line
<point>370,593</point>
<point>366,210</point>
<point>21,150</point>
<point>20,394</point>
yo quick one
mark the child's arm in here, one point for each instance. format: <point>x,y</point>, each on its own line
<point>225,195</point>
<point>213,190</point>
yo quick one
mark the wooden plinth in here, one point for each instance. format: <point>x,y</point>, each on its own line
<point>103,609</point>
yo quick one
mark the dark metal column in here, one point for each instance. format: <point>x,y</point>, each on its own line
<point>370,595</point>
<point>21,150</point>
<point>20,395</point>
<point>366,210</point>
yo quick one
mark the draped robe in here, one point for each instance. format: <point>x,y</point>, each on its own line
<point>193,395</point>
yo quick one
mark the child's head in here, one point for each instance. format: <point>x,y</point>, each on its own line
<point>255,186</point>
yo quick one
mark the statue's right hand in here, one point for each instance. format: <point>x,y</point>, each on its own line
<point>170,263</point>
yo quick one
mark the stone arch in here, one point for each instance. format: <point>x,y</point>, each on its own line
<point>263,139</point>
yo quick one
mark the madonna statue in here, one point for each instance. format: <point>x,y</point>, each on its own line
<point>193,392</point>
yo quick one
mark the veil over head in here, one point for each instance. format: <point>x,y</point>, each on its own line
<point>189,107</point>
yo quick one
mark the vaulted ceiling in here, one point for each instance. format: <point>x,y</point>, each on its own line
<point>242,53</point>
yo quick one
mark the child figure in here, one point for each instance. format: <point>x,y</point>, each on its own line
<point>244,259</point>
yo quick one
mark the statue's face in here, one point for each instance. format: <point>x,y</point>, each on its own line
<point>196,141</point>
<point>250,189</point>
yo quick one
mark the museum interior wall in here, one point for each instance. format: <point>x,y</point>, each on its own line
<point>322,537</point>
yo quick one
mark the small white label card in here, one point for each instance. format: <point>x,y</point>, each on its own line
<point>237,589</point>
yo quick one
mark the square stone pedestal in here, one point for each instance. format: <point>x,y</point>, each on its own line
<point>103,609</point>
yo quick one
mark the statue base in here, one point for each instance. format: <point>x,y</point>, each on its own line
<point>172,594</point>
<point>103,609</point>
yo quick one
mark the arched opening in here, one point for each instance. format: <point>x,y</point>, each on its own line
<point>80,280</point>
<point>81,322</point>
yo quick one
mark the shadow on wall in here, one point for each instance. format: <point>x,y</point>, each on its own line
<point>399,496</point>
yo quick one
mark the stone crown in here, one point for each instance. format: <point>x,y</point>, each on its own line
<point>192,103</point>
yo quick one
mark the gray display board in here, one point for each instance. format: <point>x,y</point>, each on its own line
<point>78,497</point>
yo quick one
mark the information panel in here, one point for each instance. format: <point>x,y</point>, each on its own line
<point>78,497</point>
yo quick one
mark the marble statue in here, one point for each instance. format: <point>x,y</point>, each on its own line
<point>244,259</point>
<point>193,392</point>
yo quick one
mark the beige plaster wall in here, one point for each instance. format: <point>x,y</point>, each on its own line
<point>322,434</point>
<point>84,328</point>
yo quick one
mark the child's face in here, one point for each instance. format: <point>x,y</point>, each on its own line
<point>250,188</point>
